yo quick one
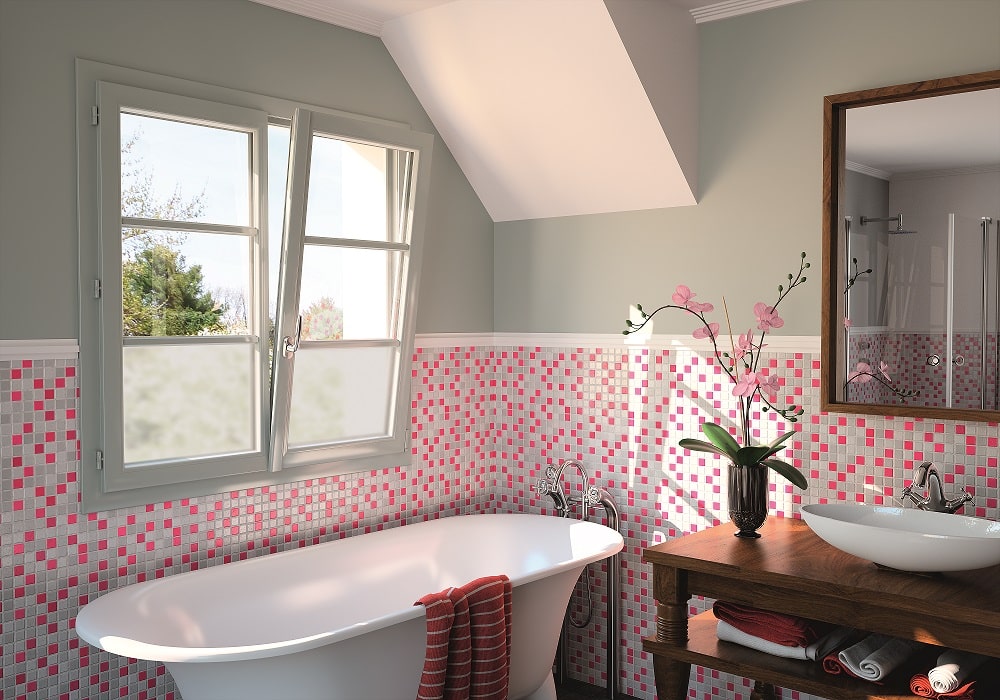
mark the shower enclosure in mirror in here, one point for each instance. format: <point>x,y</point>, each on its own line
<point>911,254</point>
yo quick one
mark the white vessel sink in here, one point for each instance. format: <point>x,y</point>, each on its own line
<point>906,538</point>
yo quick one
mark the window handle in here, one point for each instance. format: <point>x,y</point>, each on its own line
<point>291,345</point>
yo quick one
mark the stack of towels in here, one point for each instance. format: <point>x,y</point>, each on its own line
<point>777,634</point>
<point>951,678</point>
<point>871,657</point>
<point>468,641</point>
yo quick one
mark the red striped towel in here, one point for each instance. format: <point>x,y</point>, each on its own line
<point>468,642</point>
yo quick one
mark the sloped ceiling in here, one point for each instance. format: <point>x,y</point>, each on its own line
<point>552,107</point>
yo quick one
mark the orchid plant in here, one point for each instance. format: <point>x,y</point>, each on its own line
<point>751,382</point>
<point>865,372</point>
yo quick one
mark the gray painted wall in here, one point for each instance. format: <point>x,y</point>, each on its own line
<point>233,43</point>
<point>763,77</point>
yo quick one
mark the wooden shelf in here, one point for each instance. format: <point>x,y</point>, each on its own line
<point>705,649</point>
<point>790,570</point>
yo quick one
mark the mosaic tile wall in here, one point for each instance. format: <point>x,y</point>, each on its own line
<point>486,422</point>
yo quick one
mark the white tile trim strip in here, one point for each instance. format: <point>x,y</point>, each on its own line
<point>67,348</point>
<point>47,349</point>
<point>774,343</point>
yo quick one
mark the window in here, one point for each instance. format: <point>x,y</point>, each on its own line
<point>231,352</point>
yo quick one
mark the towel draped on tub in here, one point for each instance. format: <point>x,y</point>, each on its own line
<point>468,641</point>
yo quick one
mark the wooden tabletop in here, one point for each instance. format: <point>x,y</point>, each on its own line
<point>789,569</point>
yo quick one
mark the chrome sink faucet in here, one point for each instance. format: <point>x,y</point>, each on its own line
<point>934,499</point>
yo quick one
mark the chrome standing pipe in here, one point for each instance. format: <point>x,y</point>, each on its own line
<point>614,522</point>
<point>985,316</point>
<point>996,319</point>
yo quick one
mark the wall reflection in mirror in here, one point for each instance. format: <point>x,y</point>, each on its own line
<point>918,253</point>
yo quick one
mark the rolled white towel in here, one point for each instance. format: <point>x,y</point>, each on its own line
<point>853,656</point>
<point>887,658</point>
<point>828,642</point>
<point>953,669</point>
<point>727,633</point>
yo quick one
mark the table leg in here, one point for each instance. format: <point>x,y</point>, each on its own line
<point>670,590</point>
<point>762,691</point>
<point>671,678</point>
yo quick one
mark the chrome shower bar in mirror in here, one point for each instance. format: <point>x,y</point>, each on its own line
<point>911,322</point>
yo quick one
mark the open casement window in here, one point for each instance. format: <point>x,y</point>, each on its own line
<point>185,335</point>
<point>347,288</point>
<point>210,359</point>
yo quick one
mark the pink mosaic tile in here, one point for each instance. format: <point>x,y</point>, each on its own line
<point>486,422</point>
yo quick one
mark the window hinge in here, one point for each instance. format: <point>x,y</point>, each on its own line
<point>97,289</point>
<point>100,460</point>
<point>95,115</point>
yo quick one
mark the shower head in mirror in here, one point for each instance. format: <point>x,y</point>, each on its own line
<point>898,218</point>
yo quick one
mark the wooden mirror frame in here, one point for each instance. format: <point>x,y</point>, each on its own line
<point>834,246</point>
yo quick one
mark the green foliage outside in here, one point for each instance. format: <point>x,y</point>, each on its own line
<point>162,296</point>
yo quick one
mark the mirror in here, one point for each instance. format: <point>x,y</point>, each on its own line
<point>911,258</point>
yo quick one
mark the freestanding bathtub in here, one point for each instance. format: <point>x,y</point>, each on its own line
<point>336,621</point>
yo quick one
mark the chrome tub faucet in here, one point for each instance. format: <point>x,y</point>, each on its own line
<point>926,475</point>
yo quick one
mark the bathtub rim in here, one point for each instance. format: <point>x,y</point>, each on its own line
<point>132,648</point>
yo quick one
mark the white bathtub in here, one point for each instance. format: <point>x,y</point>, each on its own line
<point>337,621</point>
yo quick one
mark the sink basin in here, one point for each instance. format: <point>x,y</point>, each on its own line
<point>906,538</point>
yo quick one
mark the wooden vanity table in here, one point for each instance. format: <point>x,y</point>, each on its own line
<point>790,570</point>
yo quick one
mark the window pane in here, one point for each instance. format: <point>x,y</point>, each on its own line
<point>184,172</point>
<point>188,401</point>
<point>343,394</point>
<point>345,293</point>
<point>176,283</point>
<point>347,190</point>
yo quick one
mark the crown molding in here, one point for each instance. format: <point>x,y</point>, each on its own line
<point>734,8</point>
<point>867,170</point>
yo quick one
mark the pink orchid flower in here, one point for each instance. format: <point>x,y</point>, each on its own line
<point>747,384</point>
<point>745,344</point>
<point>848,322</point>
<point>884,369</point>
<point>768,384</point>
<point>861,374</point>
<point>683,296</point>
<point>712,331</point>
<point>767,318</point>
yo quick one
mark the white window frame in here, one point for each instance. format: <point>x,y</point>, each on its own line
<point>105,482</point>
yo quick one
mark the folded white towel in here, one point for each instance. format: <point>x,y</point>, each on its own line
<point>876,656</point>
<point>727,633</point>
<point>953,669</point>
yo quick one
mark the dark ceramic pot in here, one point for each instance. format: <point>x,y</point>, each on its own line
<point>747,487</point>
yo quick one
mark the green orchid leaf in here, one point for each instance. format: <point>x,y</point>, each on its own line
<point>788,471</point>
<point>700,446</point>
<point>748,456</point>
<point>777,445</point>
<point>721,438</point>
<point>781,440</point>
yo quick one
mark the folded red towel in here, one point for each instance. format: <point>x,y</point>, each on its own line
<point>786,630</point>
<point>833,665</point>
<point>920,685</point>
<point>468,642</point>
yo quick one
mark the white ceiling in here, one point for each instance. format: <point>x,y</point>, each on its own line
<point>552,107</point>
<point>950,132</point>
<point>566,107</point>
